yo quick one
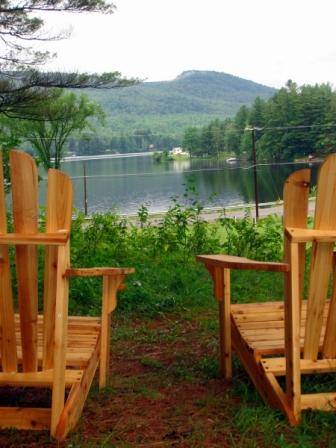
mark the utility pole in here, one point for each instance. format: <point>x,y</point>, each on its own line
<point>255,176</point>
<point>85,190</point>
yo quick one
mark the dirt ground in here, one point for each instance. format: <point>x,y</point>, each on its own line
<point>165,391</point>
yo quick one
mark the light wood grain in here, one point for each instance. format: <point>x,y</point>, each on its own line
<point>77,396</point>
<point>36,239</point>
<point>25,418</point>
<point>24,182</point>
<point>232,262</point>
<point>60,338</point>
<point>321,401</point>
<point>292,333</point>
<point>222,282</point>
<point>322,255</point>
<point>297,235</point>
<point>329,343</point>
<point>295,213</point>
<point>8,341</point>
<point>38,379</point>
<point>58,217</point>
<point>97,272</point>
<point>111,285</point>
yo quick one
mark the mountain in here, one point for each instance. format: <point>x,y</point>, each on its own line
<point>193,98</point>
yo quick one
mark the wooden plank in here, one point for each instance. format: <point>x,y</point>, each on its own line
<point>282,398</point>
<point>260,306</point>
<point>24,181</point>
<point>8,341</point>
<point>270,333</point>
<point>38,379</point>
<point>232,262</point>
<point>295,196</point>
<point>77,396</point>
<point>276,316</point>
<point>276,327</point>
<point>25,418</point>
<point>58,217</point>
<point>105,332</point>
<point>74,358</point>
<point>310,235</point>
<point>96,272</point>
<point>223,295</point>
<point>277,366</point>
<point>329,344</point>
<point>292,333</point>
<point>321,401</point>
<point>260,379</point>
<point>36,239</point>
<point>322,255</point>
<point>60,339</point>
<point>260,317</point>
<point>111,285</point>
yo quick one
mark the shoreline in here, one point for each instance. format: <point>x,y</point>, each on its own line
<point>211,214</point>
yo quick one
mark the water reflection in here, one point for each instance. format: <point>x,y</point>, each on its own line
<point>126,183</point>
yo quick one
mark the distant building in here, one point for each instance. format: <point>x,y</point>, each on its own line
<point>178,151</point>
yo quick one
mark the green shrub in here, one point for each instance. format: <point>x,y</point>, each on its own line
<point>167,277</point>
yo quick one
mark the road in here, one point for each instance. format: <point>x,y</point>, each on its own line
<point>211,216</point>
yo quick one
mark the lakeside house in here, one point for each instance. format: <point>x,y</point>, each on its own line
<point>178,151</point>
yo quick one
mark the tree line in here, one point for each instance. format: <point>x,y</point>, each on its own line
<point>140,140</point>
<point>295,122</point>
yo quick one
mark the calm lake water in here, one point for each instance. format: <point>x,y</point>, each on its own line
<point>126,183</point>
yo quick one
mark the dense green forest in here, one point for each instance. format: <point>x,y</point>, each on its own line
<point>138,140</point>
<point>155,114</point>
<point>294,122</point>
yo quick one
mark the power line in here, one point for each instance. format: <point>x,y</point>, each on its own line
<point>167,173</point>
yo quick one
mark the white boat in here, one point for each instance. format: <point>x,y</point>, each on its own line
<point>231,160</point>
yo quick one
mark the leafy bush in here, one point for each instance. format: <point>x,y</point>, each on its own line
<point>167,275</point>
<point>262,240</point>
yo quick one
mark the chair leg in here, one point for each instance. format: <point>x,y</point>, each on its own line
<point>222,291</point>
<point>104,349</point>
<point>225,342</point>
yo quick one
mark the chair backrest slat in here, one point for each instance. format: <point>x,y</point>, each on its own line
<point>7,322</point>
<point>321,258</point>
<point>295,196</point>
<point>329,343</point>
<point>24,181</point>
<point>59,213</point>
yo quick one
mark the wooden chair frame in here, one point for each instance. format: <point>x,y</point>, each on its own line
<point>48,350</point>
<point>295,337</point>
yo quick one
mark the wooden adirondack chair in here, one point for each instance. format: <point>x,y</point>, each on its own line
<point>295,337</point>
<point>47,350</point>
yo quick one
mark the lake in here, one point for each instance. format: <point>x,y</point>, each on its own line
<point>124,183</point>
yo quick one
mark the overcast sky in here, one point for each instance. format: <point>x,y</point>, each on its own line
<point>267,41</point>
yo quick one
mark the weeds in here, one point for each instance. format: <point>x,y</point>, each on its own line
<point>167,276</point>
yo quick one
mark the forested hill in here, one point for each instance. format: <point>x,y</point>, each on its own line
<point>193,92</point>
<point>154,115</point>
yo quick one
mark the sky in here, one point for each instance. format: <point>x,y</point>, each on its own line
<point>267,41</point>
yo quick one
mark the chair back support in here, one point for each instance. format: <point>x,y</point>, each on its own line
<point>24,186</point>
<point>295,196</point>
<point>321,257</point>
<point>296,192</point>
<point>59,212</point>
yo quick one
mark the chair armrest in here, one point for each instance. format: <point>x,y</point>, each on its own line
<point>112,282</point>
<point>297,235</point>
<point>232,262</point>
<point>97,272</point>
<point>46,239</point>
